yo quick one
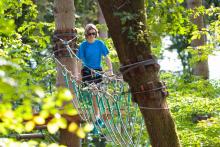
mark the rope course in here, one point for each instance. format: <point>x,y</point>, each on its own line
<point>122,119</point>
<point>120,115</point>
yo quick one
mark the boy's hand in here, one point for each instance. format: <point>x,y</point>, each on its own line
<point>110,72</point>
<point>79,80</point>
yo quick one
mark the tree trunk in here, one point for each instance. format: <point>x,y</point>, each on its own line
<point>130,38</point>
<point>102,32</point>
<point>64,29</point>
<point>201,67</point>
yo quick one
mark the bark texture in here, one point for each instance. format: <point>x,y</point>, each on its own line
<point>130,37</point>
<point>64,23</point>
<point>64,14</point>
<point>201,68</point>
<point>102,32</point>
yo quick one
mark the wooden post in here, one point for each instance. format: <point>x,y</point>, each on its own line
<point>64,11</point>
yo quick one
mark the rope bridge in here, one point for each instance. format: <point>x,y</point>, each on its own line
<point>124,124</point>
<point>123,121</point>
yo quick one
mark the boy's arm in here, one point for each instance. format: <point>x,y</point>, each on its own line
<point>109,64</point>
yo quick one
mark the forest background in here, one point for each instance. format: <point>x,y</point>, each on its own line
<point>27,68</point>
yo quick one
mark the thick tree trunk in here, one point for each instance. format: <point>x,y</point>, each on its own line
<point>64,26</point>
<point>102,32</point>
<point>132,44</point>
<point>200,68</point>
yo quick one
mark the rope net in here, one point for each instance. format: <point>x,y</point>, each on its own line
<point>122,119</point>
<point>123,122</point>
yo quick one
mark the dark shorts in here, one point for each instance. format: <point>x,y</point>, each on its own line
<point>89,76</point>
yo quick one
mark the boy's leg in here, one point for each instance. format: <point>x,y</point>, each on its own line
<point>87,77</point>
<point>95,106</point>
<point>97,79</point>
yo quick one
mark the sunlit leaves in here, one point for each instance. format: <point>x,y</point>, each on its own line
<point>54,145</point>
<point>6,26</point>
<point>68,109</point>
<point>72,127</point>
<point>56,123</point>
<point>211,31</point>
<point>4,62</point>
<point>65,95</point>
<point>35,32</point>
<point>2,7</point>
<point>80,133</point>
<point>170,18</point>
<point>13,9</point>
<point>39,120</point>
<point>180,1</point>
<point>88,127</point>
<point>44,113</point>
<point>24,46</point>
<point>31,143</point>
<point>24,111</point>
<point>7,81</point>
<point>25,104</point>
<point>166,18</point>
<point>20,109</point>
<point>190,99</point>
<point>29,126</point>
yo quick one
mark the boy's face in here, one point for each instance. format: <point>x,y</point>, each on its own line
<point>91,35</point>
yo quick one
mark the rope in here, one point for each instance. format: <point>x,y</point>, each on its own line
<point>64,34</point>
<point>126,68</point>
<point>149,108</point>
<point>122,5</point>
<point>112,95</point>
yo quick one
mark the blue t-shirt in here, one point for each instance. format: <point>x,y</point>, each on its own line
<point>91,53</point>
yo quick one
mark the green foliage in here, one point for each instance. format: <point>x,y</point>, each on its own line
<point>166,18</point>
<point>113,55</point>
<point>182,41</point>
<point>46,10</point>
<point>20,100</point>
<point>186,109</point>
<point>15,92</point>
<point>26,74</point>
<point>192,85</point>
<point>27,71</point>
<point>86,12</point>
<point>102,27</point>
<point>211,31</point>
<point>6,24</point>
<point>195,107</point>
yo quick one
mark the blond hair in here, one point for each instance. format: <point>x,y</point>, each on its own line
<point>89,27</point>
